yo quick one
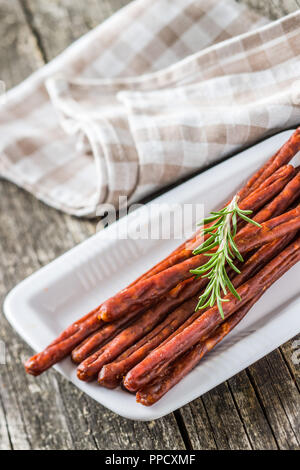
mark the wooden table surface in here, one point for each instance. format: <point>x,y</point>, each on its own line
<point>257,409</point>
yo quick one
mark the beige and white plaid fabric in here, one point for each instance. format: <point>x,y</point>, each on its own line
<point>154,94</point>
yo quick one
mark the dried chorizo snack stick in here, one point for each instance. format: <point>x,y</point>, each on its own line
<point>144,292</point>
<point>273,234</point>
<point>283,156</point>
<point>277,206</point>
<point>256,262</point>
<point>111,374</point>
<point>97,339</point>
<point>71,337</point>
<point>146,370</point>
<point>177,370</point>
<point>252,182</point>
<point>63,345</point>
<point>280,173</point>
<point>90,367</point>
<point>269,230</point>
<point>253,201</point>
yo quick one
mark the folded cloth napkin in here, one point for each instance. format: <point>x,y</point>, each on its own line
<point>154,94</point>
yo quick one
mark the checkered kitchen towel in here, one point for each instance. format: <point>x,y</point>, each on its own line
<point>157,92</point>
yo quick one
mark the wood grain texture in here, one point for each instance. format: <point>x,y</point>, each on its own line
<point>19,54</point>
<point>257,409</point>
<point>57,24</point>
<point>272,9</point>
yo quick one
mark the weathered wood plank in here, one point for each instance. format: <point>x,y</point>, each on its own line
<point>110,431</point>
<point>198,426</point>
<point>279,397</point>
<point>255,423</point>
<point>4,435</point>
<point>74,16</point>
<point>291,355</point>
<point>224,419</point>
<point>229,417</point>
<point>35,417</point>
<point>19,54</point>
<point>273,9</point>
<point>267,403</point>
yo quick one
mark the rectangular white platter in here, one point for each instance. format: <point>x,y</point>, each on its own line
<point>61,292</point>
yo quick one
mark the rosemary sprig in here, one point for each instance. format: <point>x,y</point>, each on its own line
<point>222,233</point>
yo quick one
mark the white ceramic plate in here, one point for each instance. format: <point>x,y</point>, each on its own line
<point>55,296</point>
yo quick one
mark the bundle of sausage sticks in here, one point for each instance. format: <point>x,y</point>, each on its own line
<point>149,336</point>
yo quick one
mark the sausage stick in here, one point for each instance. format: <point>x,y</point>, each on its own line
<point>92,342</point>
<point>269,230</point>
<point>244,192</point>
<point>63,345</point>
<point>254,201</point>
<point>90,367</point>
<point>283,156</point>
<point>144,292</point>
<point>177,370</point>
<point>111,374</point>
<point>156,389</point>
<point>277,206</point>
<point>210,319</point>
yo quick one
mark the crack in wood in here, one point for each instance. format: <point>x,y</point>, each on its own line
<point>29,18</point>
<point>183,430</point>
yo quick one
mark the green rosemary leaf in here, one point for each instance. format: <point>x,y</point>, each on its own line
<point>206,248</point>
<point>220,213</point>
<point>244,212</point>
<point>251,221</point>
<point>212,227</point>
<point>234,223</point>
<point>235,249</point>
<point>223,284</point>
<point>208,219</point>
<point>203,245</point>
<point>220,308</point>
<point>233,266</point>
<point>231,288</point>
<point>221,234</point>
